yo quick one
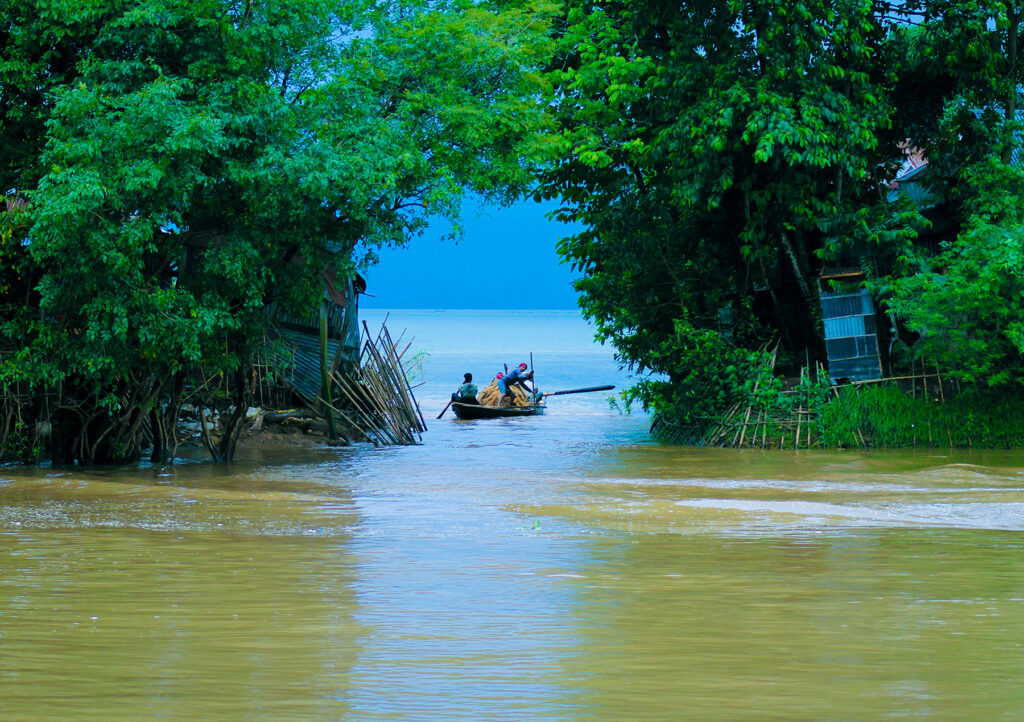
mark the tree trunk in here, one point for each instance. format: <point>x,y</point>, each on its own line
<point>233,427</point>
<point>156,422</point>
<point>810,288</point>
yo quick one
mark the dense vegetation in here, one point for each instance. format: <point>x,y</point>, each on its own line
<point>720,154</point>
<point>891,417</point>
<point>173,168</point>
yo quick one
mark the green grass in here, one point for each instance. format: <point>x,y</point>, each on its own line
<point>887,417</point>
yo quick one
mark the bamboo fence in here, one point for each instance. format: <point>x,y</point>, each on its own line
<point>753,426</point>
<point>376,399</point>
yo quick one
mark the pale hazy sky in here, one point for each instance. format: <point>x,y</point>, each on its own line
<point>507,260</point>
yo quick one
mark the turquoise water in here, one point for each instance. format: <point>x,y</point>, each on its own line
<point>564,352</point>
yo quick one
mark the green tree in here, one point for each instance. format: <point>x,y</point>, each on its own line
<point>716,153</point>
<point>957,83</point>
<point>180,166</point>
<point>967,302</point>
<point>958,99</point>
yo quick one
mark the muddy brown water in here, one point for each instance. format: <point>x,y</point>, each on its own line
<point>559,567</point>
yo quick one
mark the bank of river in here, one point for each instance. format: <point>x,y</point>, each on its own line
<point>555,567</point>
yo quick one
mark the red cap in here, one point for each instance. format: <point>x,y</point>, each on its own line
<point>500,375</point>
<point>524,366</point>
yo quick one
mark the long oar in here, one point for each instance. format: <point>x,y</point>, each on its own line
<point>444,409</point>
<point>579,391</point>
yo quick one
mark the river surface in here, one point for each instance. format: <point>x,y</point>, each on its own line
<point>562,567</point>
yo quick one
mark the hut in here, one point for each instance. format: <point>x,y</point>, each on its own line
<point>357,385</point>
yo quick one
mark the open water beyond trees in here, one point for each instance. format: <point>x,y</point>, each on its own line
<point>558,567</point>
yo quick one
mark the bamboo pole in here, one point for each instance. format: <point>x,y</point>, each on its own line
<point>354,420</point>
<point>746,421</point>
<point>799,413</point>
<point>363,412</point>
<point>887,379</point>
<point>389,377</point>
<point>746,418</point>
<point>406,388</point>
<point>720,431</point>
<point>375,391</point>
<point>377,387</point>
<point>388,388</point>
<point>360,419</point>
<point>942,396</point>
<point>736,433</point>
<point>375,410</point>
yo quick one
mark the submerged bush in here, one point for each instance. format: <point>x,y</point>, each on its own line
<point>704,374</point>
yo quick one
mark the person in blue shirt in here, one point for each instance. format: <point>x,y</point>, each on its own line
<point>517,377</point>
<point>466,393</point>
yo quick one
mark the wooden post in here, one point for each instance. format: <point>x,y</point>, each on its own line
<point>746,420</point>
<point>325,373</point>
<point>942,396</point>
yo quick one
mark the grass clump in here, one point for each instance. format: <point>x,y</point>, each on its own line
<point>882,415</point>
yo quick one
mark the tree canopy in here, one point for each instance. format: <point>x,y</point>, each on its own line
<point>722,154</point>
<point>173,168</point>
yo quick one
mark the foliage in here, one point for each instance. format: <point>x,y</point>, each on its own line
<point>712,172</point>
<point>707,376</point>
<point>714,405</point>
<point>178,168</point>
<point>967,302</point>
<point>719,154</point>
<point>885,416</point>
<point>958,81</point>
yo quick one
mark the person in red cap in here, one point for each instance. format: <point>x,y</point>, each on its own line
<point>518,377</point>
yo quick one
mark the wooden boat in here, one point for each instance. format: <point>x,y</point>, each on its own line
<point>476,411</point>
<point>480,411</point>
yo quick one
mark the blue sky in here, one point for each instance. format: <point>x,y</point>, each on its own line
<point>507,260</point>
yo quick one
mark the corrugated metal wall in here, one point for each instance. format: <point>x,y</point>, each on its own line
<point>302,369</point>
<point>301,366</point>
<point>851,336</point>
